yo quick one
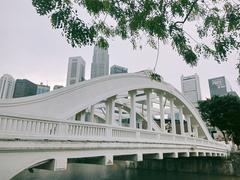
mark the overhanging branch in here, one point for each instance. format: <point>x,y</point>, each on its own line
<point>188,14</point>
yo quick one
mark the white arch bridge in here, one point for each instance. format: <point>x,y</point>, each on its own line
<point>117,117</point>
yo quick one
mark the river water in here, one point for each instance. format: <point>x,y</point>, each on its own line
<point>98,172</point>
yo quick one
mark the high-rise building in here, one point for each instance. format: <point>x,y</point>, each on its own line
<point>7,84</point>
<point>115,69</point>
<point>219,86</point>
<point>191,88</point>
<point>100,63</point>
<point>24,87</point>
<point>42,88</point>
<point>57,87</point>
<point>76,70</point>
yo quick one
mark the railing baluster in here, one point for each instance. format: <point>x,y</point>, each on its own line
<point>4,124</point>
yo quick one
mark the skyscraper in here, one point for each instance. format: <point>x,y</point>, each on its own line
<point>219,86</point>
<point>42,88</point>
<point>191,88</point>
<point>24,87</point>
<point>76,70</point>
<point>115,69</point>
<point>100,63</point>
<point>7,84</point>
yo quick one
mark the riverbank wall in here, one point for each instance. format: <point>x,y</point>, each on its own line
<point>206,165</point>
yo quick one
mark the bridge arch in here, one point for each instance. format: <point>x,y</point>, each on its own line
<point>40,127</point>
<point>64,103</point>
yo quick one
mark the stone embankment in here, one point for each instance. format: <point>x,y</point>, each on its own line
<point>204,165</point>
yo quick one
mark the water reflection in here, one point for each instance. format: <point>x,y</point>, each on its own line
<point>93,172</point>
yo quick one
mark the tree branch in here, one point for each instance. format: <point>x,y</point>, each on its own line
<point>188,14</point>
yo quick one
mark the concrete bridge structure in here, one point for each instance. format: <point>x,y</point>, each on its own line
<point>117,117</point>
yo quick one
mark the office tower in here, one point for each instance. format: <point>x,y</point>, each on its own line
<point>24,87</point>
<point>191,88</point>
<point>100,63</point>
<point>57,87</point>
<point>76,70</point>
<point>220,86</point>
<point>7,84</point>
<point>42,88</point>
<point>115,69</point>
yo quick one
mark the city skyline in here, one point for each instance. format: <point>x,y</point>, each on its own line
<point>22,48</point>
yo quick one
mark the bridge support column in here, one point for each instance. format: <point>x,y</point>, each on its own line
<point>59,164</point>
<point>160,155</point>
<point>133,109</point>
<point>195,131</point>
<point>108,160</point>
<point>181,119</point>
<point>92,109</point>
<point>139,157</point>
<point>149,108</point>
<point>188,118</point>
<point>83,116</point>
<point>110,105</point>
<point>173,122</point>
<point>161,111</point>
<point>120,115</point>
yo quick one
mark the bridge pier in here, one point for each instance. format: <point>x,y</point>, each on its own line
<point>57,164</point>
<point>107,160</point>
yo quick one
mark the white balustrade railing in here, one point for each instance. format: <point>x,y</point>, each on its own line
<point>22,128</point>
<point>123,133</point>
<point>85,130</point>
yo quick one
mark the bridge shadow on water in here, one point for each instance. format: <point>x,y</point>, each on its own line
<point>115,172</point>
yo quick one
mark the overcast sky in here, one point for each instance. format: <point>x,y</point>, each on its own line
<point>31,49</point>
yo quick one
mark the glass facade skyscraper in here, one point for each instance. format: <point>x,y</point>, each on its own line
<point>7,84</point>
<point>191,88</point>
<point>24,87</point>
<point>219,86</point>
<point>76,70</point>
<point>100,63</point>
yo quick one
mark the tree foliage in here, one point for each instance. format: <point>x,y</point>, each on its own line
<point>156,20</point>
<point>224,113</point>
